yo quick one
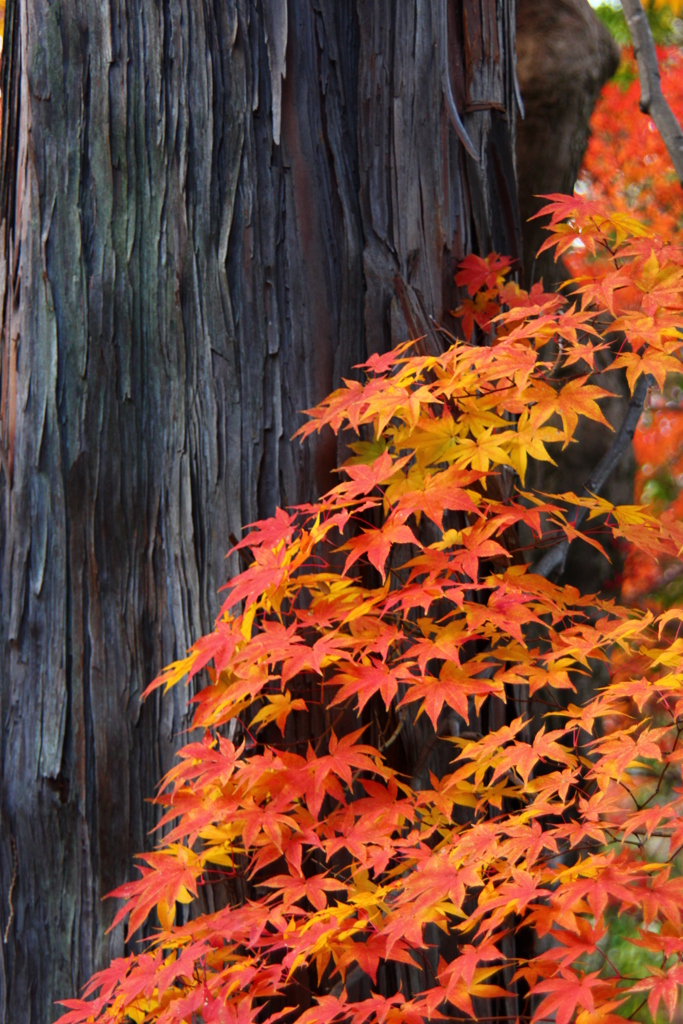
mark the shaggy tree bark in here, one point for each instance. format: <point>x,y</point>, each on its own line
<point>209,211</point>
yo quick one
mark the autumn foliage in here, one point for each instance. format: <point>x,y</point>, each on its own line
<point>406,598</point>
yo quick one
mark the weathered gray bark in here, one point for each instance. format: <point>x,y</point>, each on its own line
<point>209,211</point>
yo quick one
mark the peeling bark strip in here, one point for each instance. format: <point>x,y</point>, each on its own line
<point>203,207</point>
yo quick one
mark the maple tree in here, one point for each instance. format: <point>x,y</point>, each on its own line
<point>407,592</point>
<point>627,166</point>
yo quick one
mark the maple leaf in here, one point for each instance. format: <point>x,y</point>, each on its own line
<point>365,477</point>
<point>269,533</point>
<point>576,398</point>
<point>438,493</point>
<point>521,757</point>
<point>663,988</point>
<point>379,364</point>
<point>368,679</point>
<point>278,709</point>
<point>172,875</point>
<point>602,1014</point>
<point>657,364</point>
<point>599,880</point>
<point>455,685</point>
<point>81,1010</point>
<point>663,896</point>
<point>477,273</point>
<point>465,964</point>
<point>575,943</point>
<point>565,992</point>
<point>292,889</point>
<point>459,990</point>
<point>376,544</point>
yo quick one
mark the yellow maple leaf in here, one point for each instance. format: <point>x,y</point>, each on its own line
<point>278,709</point>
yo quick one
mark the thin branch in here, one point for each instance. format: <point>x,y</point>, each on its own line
<point>556,557</point>
<point>612,457</point>
<point>10,894</point>
<point>652,99</point>
<point>395,734</point>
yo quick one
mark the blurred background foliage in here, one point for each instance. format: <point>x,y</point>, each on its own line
<point>666,20</point>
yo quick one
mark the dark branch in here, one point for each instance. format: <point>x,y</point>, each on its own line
<point>622,440</point>
<point>556,557</point>
<point>652,99</point>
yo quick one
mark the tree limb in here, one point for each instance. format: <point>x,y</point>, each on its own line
<point>652,99</point>
<point>556,556</point>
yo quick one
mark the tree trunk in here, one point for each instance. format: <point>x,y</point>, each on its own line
<point>209,211</point>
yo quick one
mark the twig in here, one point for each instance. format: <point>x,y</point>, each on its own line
<point>395,734</point>
<point>652,99</point>
<point>10,894</point>
<point>557,365</point>
<point>556,557</point>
